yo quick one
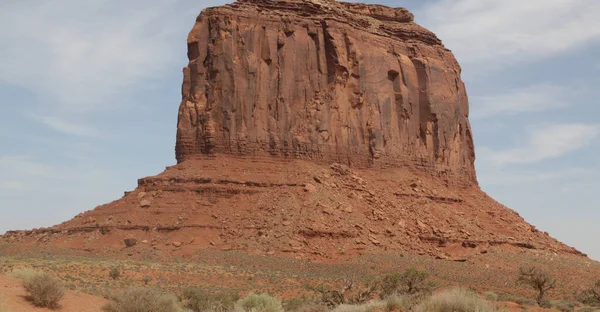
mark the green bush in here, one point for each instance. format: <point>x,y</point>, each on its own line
<point>44,290</point>
<point>198,300</point>
<point>455,300</point>
<point>259,303</point>
<point>142,300</point>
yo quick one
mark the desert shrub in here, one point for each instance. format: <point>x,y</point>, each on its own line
<point>398,303</point>
<point>591,296</point>
<point>507,297</point>
<point>259,303</point>
<point>365,307</point>
<point>114,273</point>
<point>411,281</point>
<point>146,280</point>
<point>490,296</point>
<point>24,274</point>
<point>198,300</point>
<point>545,304</point>
<point>304,304</point>
<point>44,290</point>
<point>391,303</point>
<point>312,308</point>
<point>538,279</point>
<point>351,292</point>
<point>142,300</point>
<point>455,300</point>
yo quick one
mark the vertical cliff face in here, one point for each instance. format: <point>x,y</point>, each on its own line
<point>304,88</point>
<point>326,81</point>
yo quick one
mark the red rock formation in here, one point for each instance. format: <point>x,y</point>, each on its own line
<point>278,91</point>
<point>327,81</point>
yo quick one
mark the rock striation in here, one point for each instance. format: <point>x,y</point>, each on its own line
<point>326,81</point>
<point>317,129</point>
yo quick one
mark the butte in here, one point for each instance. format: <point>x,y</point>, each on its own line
<point>315,129</point>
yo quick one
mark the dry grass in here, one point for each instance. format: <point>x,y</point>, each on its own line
<point>44,290</point>
<point>23,274</point>
<point>455,300</point>
<point>259,303</point>
<point>142,300</point>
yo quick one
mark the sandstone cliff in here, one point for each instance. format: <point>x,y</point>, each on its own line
<point>290,111</point>
<point>327,81</point>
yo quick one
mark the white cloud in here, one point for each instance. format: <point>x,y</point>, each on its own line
<point>82,56</point>
<point>545,142</point>
<point>534,98</point>
<point>494,33</point>
<point>68,127</point>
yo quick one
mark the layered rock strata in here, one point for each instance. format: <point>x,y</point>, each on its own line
<point>327,81</point>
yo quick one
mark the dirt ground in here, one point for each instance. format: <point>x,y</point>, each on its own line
<point>14,299</point>
<point>285,277</point>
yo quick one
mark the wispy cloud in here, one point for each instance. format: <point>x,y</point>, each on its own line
<point>82,56</point>
<point>534,98</point>
<point>12,185</point>
<point>502,177</point>
<point>68,127</point>
<point>494,33</point>
<point>544,142</point>
<point>25,166</point>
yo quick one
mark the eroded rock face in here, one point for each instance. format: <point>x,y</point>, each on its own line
<point>326,81</point>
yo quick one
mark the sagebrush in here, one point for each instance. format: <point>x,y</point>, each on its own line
<point>455,300</point>
<point>142,300</point>
<point>44,290</point>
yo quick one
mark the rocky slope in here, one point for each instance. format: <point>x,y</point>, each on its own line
<point>315,128</point>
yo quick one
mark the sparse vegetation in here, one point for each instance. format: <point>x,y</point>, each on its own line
<point>490,296</point>
<point>398,303</point>
<point>455,300</point>
<point>411,281</point>
<point>24,274</point>
<point>198,300</point>
<point>538,279</point>
<point>591,295</point>
<point>563,306</point>
<point>351,292</point>
<point>44,290</point>
<point>304,304</point>
<point>259,303</point>
<point>114,273</point>
<point>142,300</point>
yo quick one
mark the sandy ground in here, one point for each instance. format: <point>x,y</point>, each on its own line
<point>14,299</point>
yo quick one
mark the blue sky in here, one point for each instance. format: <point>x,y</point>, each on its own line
<point>89,95</point>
